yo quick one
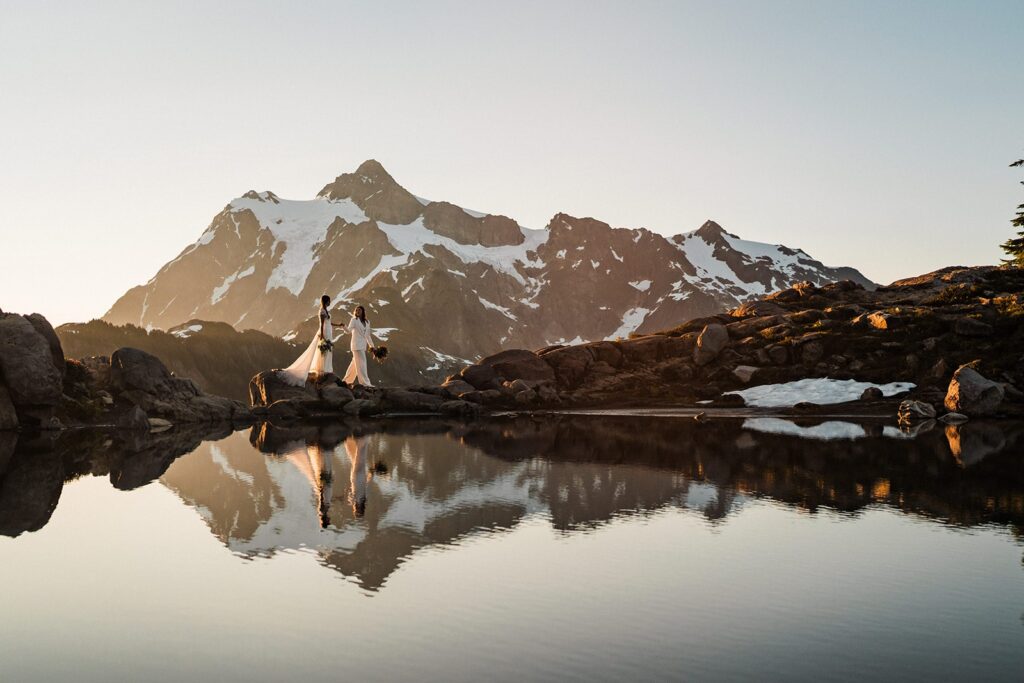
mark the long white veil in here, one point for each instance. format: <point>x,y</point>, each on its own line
<point>311,360</point>
<point>297,373</point>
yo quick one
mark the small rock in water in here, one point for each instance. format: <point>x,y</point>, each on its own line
<point>912,411</point>
<point>953,418</point>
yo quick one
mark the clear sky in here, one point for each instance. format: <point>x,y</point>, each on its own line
<point>871,134</point>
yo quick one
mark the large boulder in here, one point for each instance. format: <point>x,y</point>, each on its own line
<point>27,364</point>
<point>134,369</point>
<point>44,328</point>
<point>713,338</point>
<point>267,388</point>
<point>524,365</point>
<point>972,394</point>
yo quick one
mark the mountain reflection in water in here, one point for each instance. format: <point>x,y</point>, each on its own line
<point>364,496</point>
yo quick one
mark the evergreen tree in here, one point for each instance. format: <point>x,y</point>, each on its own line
<point>1015,245</point>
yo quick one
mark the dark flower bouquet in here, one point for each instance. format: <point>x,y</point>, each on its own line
<point>379,353</point>
<point>326,345</point>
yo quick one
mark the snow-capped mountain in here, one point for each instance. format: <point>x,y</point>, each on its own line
<point>446,285</point>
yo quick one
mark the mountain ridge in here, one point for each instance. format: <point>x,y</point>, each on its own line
<point>448,282</point>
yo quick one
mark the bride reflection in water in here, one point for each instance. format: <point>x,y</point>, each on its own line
<point>317,466</point>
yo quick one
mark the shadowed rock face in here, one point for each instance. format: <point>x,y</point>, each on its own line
<point>449,285</point>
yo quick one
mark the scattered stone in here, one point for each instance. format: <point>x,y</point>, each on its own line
<point>744,373</point>
<point>457,387</point>
<point>871,394</point>
<point>713,338</point>
<point>972,394</point>
<point>157,424</point>
<point>913,411</point>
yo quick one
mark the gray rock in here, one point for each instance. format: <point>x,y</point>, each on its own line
<point>713,338</point>
<point>27,365</point>
<point>481,377</point>
<point>136,369</point>
<point>953,418</point>
<point>914,411</point>
<point>972,394</point>
<point>744,373</point>
<point>458,387</point>
<point>871,394</point>
<point>267,388</point>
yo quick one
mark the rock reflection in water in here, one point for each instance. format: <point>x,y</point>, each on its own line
<point>365,496</point>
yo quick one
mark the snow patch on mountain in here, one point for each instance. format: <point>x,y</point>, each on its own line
<point>633,319</point>
<point>300,225</point>
<point>220,291</point>
<point>412,238</point>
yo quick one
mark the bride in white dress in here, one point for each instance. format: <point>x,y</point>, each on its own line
<point>315,361</point>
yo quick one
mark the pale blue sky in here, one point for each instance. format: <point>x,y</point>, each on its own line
<point>872,134</point>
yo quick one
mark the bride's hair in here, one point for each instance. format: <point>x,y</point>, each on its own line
<point>325,301</point>
<point>360,313</point>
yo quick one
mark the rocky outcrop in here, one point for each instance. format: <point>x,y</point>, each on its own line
<point>330,397</point>
<point>41,390</point>
<point>29,370</point>
<point>909,331</point>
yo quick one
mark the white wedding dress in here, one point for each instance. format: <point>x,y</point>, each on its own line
<point>313,361</point>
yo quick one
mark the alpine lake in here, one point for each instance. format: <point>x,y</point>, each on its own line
<point>591,547</point>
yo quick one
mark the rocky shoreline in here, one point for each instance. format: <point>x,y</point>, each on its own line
<point>41,390</point>
<point>956,335</point>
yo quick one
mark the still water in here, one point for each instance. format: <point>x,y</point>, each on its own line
<point>608,547</point>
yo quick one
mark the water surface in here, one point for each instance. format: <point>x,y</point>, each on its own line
<point>606,547</point>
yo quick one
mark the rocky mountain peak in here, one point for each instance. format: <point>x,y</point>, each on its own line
<point>374,191</point>
<point>711,231</point>
<point>265,196</point>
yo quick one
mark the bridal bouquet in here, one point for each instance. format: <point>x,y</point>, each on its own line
<point>326,345</point>
<point>379,353</point>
